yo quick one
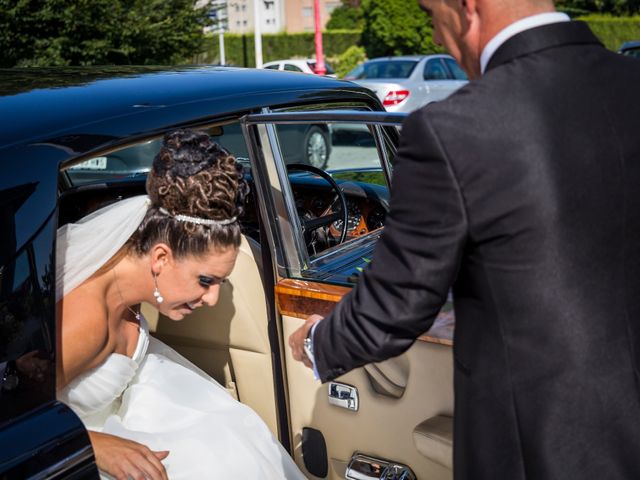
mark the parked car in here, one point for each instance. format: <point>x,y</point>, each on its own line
<point>298,65</point>
<point>631,49</point>
<point>406,83</point>
<point>81,138</point>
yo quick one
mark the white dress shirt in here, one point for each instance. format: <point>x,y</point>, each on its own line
<point>517,27</point>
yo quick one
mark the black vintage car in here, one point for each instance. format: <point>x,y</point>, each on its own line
<point>73,140</point>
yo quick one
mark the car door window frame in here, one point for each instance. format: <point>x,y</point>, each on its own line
<point>272,183</point>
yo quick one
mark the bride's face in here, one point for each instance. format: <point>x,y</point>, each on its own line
<point>191,282</point>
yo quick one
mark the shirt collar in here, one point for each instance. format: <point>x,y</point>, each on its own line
<point>515,28</point>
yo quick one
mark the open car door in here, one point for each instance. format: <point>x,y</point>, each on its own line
<point>321,218</point>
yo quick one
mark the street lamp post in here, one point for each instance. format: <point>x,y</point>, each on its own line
<point>217,13</point>
<point>257,35</point>
<point>321,68</point>
<point>221,41</point>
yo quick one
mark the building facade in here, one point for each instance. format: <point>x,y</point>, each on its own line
<point>276,15</point>
<point>299,14</point>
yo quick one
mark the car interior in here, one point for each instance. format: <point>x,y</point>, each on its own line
<point>376,419</point>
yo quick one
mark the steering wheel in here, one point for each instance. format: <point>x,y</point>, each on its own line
<point>311,224</point>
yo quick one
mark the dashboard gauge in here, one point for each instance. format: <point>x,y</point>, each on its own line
<point>353,218</point>
<point>375,219</point>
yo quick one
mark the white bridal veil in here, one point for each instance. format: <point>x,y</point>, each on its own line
<point>83,247</point>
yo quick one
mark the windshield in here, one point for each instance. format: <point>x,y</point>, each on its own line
<point>382,69</point>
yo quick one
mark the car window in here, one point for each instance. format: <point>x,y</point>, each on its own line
<point>292,68</point>
<point>455,69</point>
<point>271,67</point>
<point>121,164</point>
<point>435,70</point>
<point>384,69</point>
<point>136,160</point>
<point>347,153</point>
<point>230,136</point>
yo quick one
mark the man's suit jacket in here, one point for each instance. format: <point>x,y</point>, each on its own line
<point>522,191</point>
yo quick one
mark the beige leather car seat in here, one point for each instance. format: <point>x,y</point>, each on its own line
<point>230,340</point>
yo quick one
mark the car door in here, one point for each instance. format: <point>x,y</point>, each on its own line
<point>39,437</point>
<point>392,418</point>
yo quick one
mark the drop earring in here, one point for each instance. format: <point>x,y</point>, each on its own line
<point>156,292</point>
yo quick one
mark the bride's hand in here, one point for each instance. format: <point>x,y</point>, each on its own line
<point>127,460</point>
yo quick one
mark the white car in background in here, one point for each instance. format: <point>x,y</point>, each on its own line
<point>405,83</point>
<point>307,65</point>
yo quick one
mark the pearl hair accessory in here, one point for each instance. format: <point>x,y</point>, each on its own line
<point>198,220</point>
<point>156,292</point>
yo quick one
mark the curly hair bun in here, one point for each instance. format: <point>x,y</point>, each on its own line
<point>193,175</point>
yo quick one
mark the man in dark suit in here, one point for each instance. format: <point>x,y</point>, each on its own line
<point>522,192</point>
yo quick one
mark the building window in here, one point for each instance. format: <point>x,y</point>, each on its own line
<point>307,11</point>
<point>331,6</point>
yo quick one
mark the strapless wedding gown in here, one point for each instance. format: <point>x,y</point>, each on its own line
<point>160,399</point>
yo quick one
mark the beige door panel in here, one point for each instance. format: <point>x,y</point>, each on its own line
<point>398,400</point>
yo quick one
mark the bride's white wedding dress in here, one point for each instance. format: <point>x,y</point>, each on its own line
<point>159,399</point>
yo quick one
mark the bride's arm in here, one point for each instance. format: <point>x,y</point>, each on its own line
<point>125,459</point>
<point>82,338</point>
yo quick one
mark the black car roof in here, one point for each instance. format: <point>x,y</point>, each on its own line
<point>81,109</point>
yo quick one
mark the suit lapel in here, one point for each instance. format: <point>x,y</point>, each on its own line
<point>541,38</point>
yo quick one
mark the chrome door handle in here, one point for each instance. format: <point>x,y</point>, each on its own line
<point>365,467</point>
<point>344,396</point>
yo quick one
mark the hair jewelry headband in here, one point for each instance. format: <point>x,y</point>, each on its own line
<point>199,221</point>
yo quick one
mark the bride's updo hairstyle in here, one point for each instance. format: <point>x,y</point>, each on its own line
<point>197,192</point>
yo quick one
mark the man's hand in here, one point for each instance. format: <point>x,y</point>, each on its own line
<point>296,340</point>
<point>125,459</point>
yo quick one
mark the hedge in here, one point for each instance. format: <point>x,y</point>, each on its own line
<point>239,49</point>
<point>613,31</point>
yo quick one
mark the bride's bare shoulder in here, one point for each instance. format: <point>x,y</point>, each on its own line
<point>83,334</point>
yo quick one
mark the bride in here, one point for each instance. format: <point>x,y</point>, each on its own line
<point>150,413</point>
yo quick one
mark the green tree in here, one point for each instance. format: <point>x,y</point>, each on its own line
<point>99,32</point>
<point>350,59</point>
<point>396,27</point>
<point>346,17</point>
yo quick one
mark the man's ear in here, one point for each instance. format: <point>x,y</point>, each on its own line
<point>160,256</point>
<point>469,10</point>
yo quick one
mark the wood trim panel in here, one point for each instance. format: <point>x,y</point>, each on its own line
<point>301,298</point>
